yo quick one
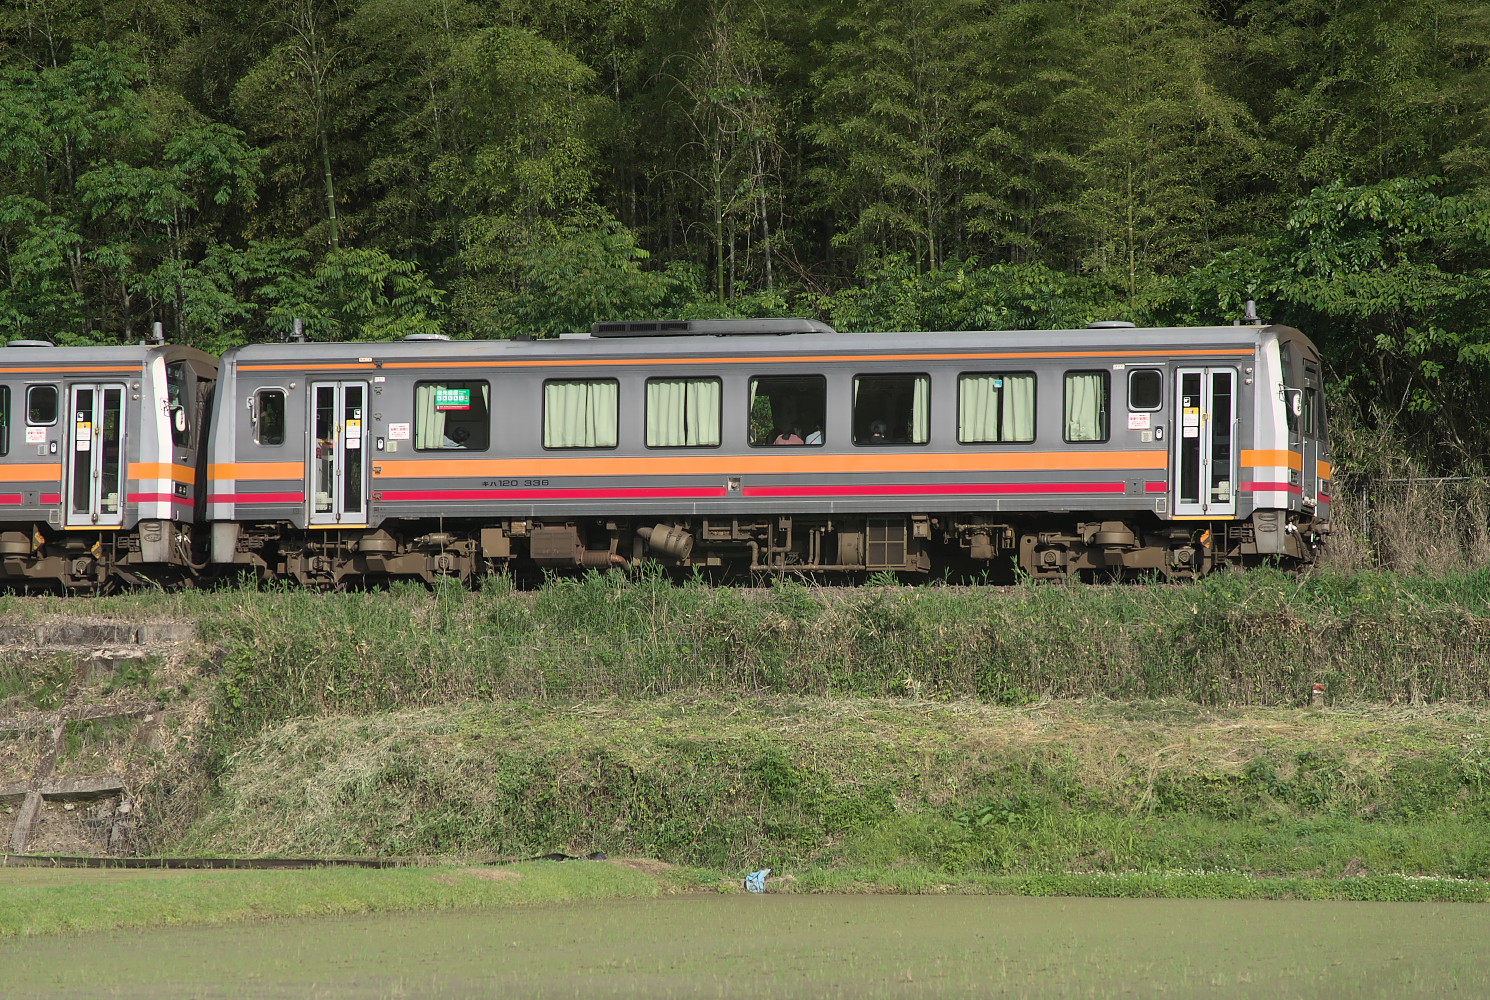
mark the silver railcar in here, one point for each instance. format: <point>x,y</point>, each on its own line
<point>771,445</point>
<point>101,472</point>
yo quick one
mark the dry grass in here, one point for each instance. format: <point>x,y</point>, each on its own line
<point>1421,526</point>
<point>506,780</point>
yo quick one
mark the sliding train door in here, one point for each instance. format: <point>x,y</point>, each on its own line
<point>338,458</point>
<point>95,457</point>
<point>1205,447</point>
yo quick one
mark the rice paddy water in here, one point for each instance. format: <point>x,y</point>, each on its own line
<point>791,946</point>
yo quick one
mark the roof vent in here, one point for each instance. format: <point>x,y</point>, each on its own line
<point>1110,324</point>
<point>710,328</point>
<point>30,343</point>
<point>425,338</point>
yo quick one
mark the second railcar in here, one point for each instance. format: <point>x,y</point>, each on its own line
<point>100,473</point>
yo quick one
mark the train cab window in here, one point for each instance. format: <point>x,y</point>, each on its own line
<point>4,420</point>
<point>1311,411</point>
<point>787,410</point>
<point>269,417</point>
<point>41,405</point>
<point>452,416</point>
<point>683,412</point>
<point>1293,406</point>
<point>581,413</point>
<point>1086,406</point>
<point>892,409</point>
<point>178,400</point>
<point>996,408</point>
<point>1145,389</point>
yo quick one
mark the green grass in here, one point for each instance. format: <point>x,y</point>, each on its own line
<point>67,903</point>
<point>1035,731</point>
<point>39,902</point>
<point>1260,638</point>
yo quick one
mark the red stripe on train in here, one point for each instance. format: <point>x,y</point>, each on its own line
<point>1162,487</point>
<point>955,489</point>
<point>256,498</point>
<point>161,498</point>
<point>639,493</point>
<point>1272,488</point>
<point>51,498</point>
<point>11,498</point>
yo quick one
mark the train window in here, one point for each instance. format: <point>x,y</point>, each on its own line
<point>1145,389</point>
<point>892,409</point>
<point>4,420</point>
<point>1311,408</point>
<point>269,417</point>
<point>452,416</point>
<point>996,407</point>
<point>581,413</point>
<point>787,409</point>
<point>41,405</point>
<point>683,412</point>
<point>178,379</point>
<point>1086,406</point>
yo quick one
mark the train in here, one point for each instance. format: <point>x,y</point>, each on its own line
<point>724,447</point>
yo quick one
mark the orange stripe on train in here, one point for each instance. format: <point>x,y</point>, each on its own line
<point>163,470</point>
<point>1272,459</point>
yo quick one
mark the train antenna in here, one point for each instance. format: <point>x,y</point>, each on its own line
<point>158,333</point>
<point>299,335</point>
<point>1251,316</point>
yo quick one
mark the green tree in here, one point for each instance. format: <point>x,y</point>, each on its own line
<point>894,95</point>
<point>1367,92</point>
<point>1393,281</point>
<point>1160,143</point>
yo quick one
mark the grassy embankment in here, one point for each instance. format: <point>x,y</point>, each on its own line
<point>1141,740</point>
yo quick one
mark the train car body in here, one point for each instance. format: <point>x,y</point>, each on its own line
<point>771,446</point>
<point>100,471</point>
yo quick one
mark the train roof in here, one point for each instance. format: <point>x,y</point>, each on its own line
<point>765,345</point>
<point>40,355</point>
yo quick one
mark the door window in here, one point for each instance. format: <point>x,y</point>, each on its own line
<point>41,405</point>
<point>269,417</point>
<point>1145,389</point>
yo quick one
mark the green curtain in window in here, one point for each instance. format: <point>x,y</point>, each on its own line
<point>1086,406</point>
<point>977,408</point>
<point>429,422</point>
<point>580,414</point>
<point>920,410</point>
<point>1018,410</point>
<point>682,413</point>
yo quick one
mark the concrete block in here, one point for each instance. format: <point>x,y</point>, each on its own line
<point>74,789</point>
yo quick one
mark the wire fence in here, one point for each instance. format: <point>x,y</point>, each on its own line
<point>1430,524</point>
